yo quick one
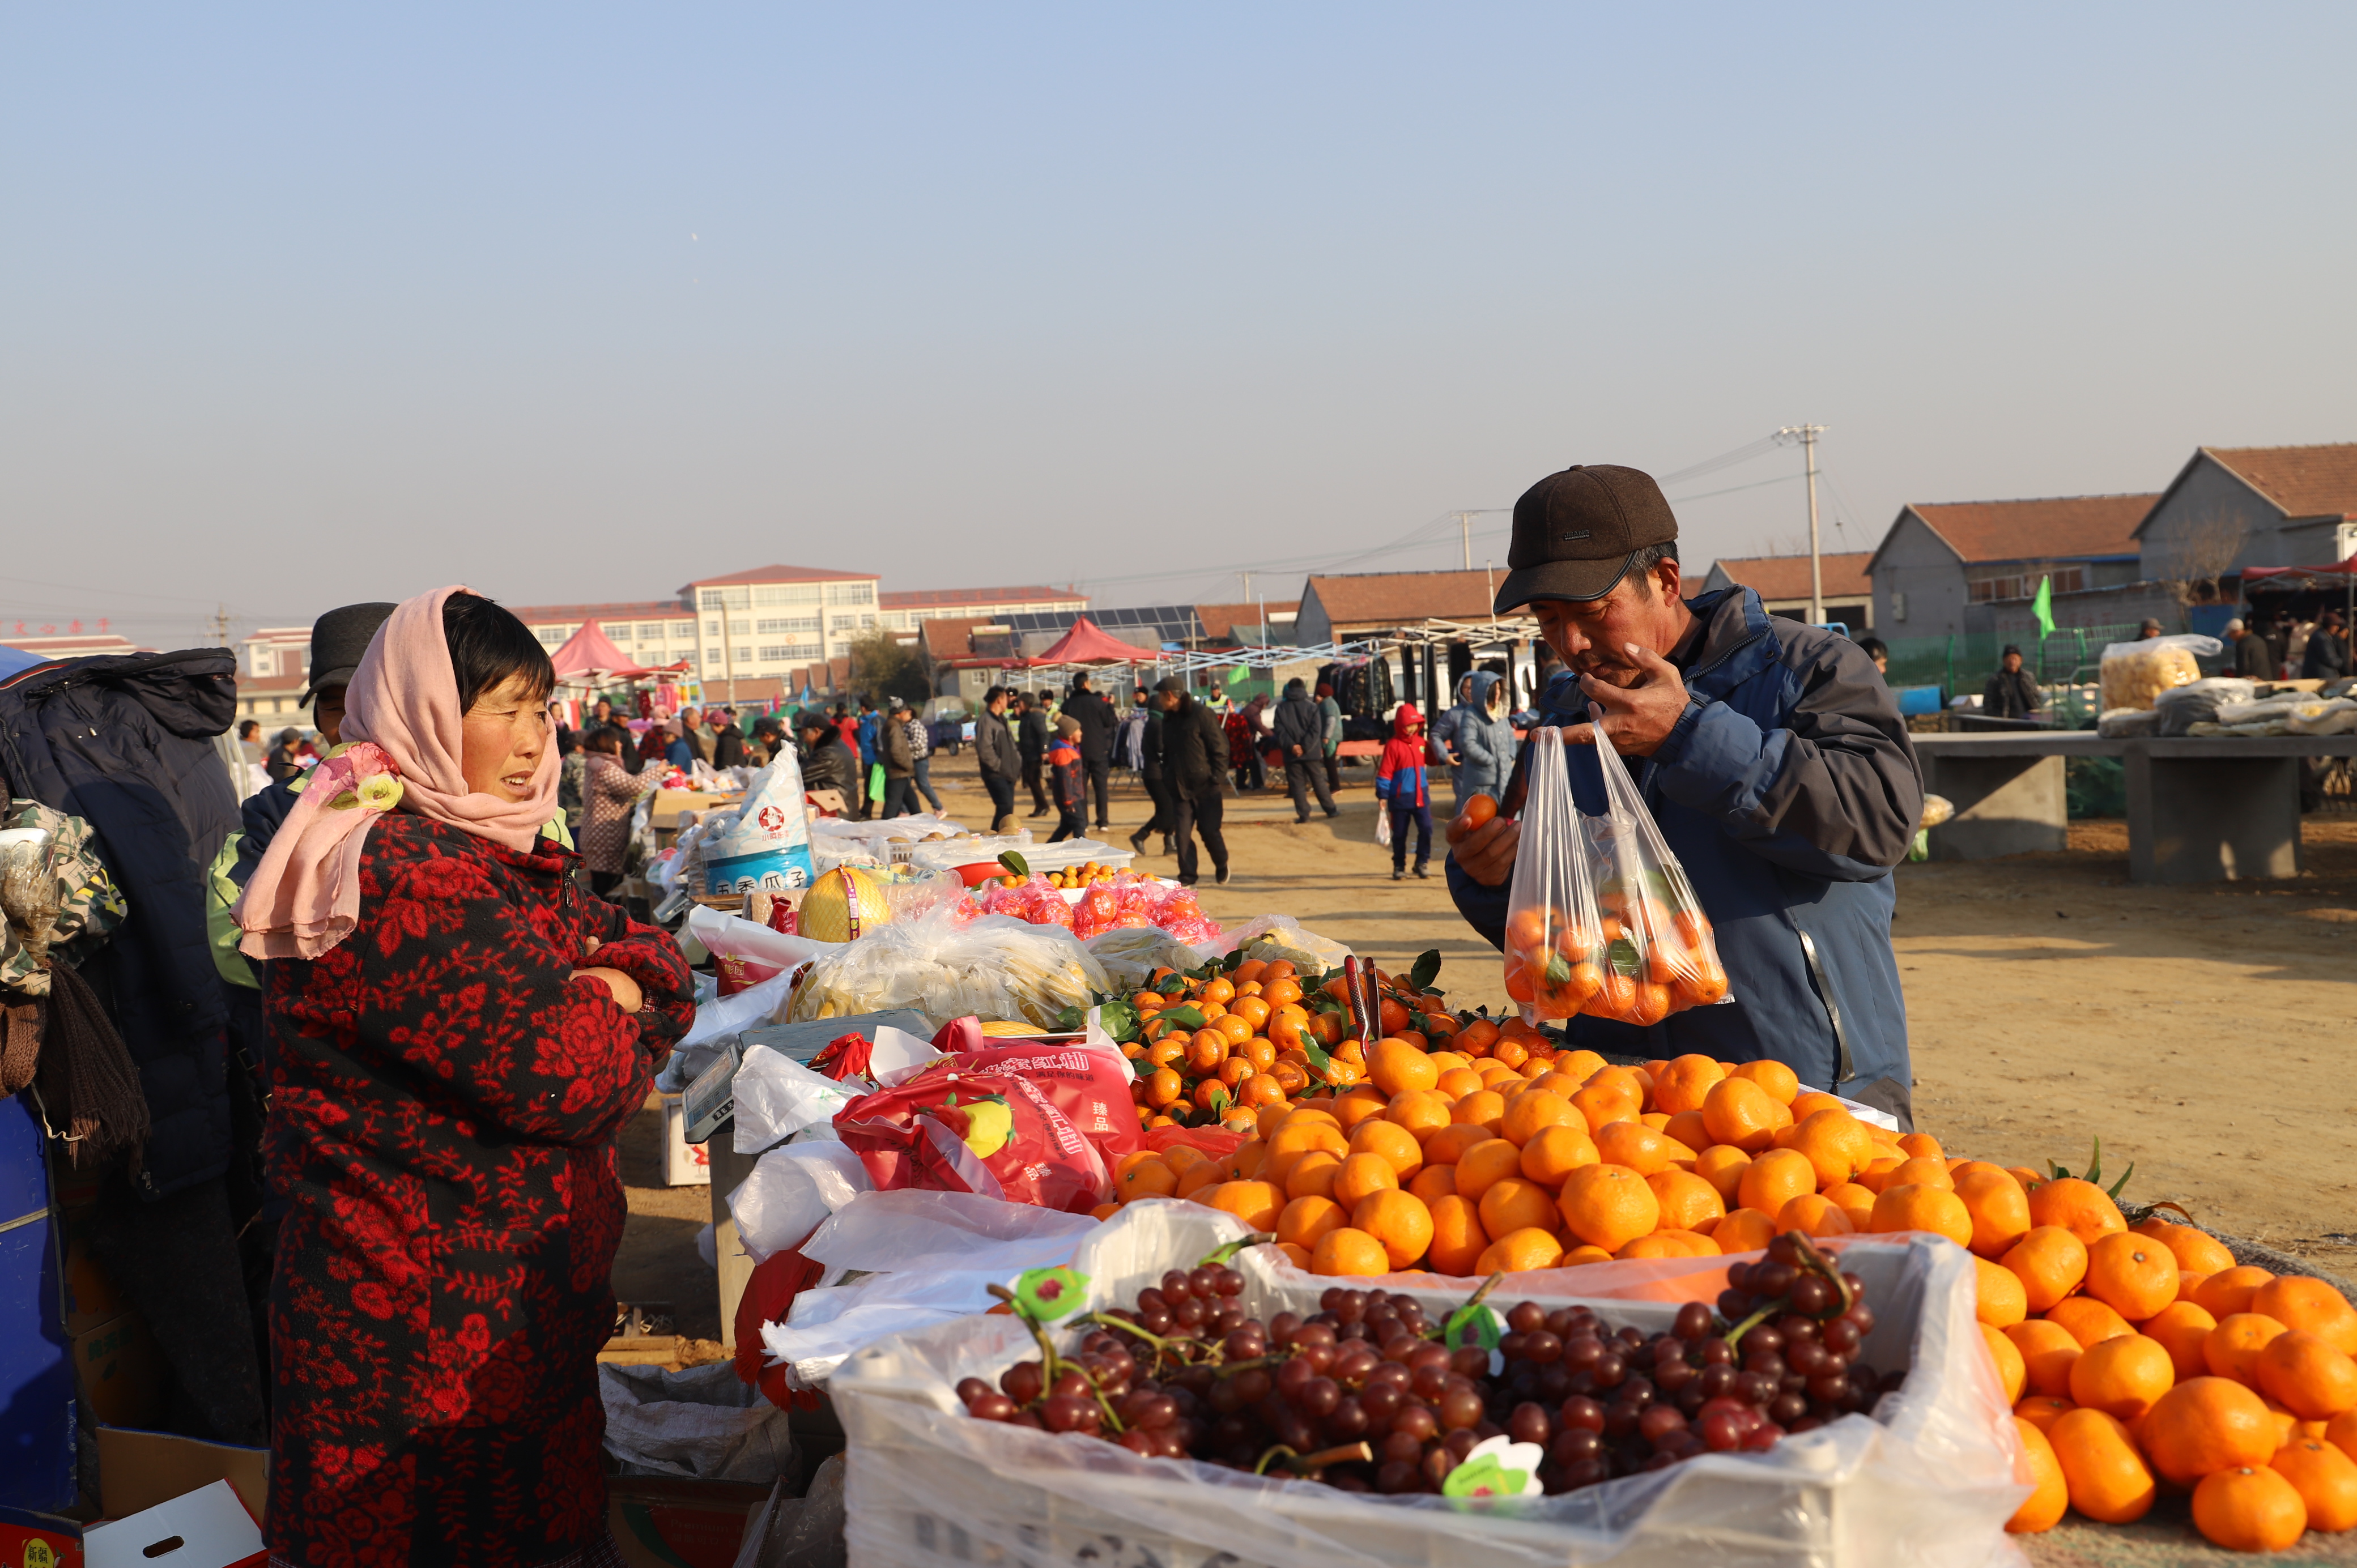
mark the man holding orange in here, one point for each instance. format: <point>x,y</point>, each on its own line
<point>1769,751</point>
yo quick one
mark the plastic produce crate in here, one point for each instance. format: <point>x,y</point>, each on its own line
<point>1928,1480</point>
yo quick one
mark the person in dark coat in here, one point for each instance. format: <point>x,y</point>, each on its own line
<point>280,763</point>
<point>899,761</point>
<point>1031,748</point>
<point>2326,657</point>
<point>1195,765</point>
<point>826,762</point>
<point>126,743</point>
<point>1098,724</point>
<point>994,753</point>
<point>2254,660</point>
<point>1301,738</point>
<point>728,740</point>
<point>1770,754</point>
<point>461,1035</point>
<point>1153,770</point>
<point>2010,692</point>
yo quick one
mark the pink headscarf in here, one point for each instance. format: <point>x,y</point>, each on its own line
<point>304,896</point>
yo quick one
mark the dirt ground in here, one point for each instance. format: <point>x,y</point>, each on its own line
<point>2200,1032</point>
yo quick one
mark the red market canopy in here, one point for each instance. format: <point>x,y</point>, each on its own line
<point>589,655</point>
<point>2338,569</point>
<point>1087,643</point>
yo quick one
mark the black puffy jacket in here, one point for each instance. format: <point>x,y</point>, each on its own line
<point>124,742</point>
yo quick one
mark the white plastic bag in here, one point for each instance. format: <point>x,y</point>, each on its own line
<point>765,842</point>
<point>1383,823</point>
<point>1930,1483</point>
<point>928,1257</point>
<point>2134,673</point>
<point>991,967</point>
<point>791,1190</point>
<point>1270,937</point>
<point>1130,953</point>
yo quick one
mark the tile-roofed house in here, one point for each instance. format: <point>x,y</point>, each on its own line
<point>1782,583</point>
<point>2232,506</point>
<point>1349,604</point>
<point>1943,566</point>
<point>1242,623</point>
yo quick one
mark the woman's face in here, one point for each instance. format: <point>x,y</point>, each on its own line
<point>504,735</point>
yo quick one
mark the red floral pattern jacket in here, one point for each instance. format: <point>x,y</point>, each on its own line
<point>446,1100</point>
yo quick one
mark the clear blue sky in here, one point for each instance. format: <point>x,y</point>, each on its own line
<point>308,305</point>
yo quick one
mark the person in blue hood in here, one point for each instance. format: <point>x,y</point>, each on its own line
<point>1483,737</point>
<point>1771,755</point>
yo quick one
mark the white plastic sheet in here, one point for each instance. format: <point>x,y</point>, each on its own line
<point>791,1192</point>
<point>1928,1484</point>
<point>929,1257</point>
<point>777,1097</point>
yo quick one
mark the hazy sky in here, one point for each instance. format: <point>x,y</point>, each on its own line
<point>305,305</point>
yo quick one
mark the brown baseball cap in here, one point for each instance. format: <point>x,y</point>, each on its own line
<point>1576,532</point>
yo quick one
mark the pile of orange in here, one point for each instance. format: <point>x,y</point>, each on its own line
<point>1261,1044</point>
<point>1462,1165</point>
<point>2143,1357</point>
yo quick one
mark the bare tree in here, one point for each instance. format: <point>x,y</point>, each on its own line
<point>2198,551</point>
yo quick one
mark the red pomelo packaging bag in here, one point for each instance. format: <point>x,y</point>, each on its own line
<point>951,1129</point>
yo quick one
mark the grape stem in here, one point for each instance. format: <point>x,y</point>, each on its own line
<point>1124,1325</point>
<point>1049,1359</point>
<point>1347,1454</point>
<point>1218,1255</point>
<point>1816,1262</point>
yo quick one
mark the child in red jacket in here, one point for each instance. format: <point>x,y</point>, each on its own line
<point>1068,778</point>
<point>1400,782</point>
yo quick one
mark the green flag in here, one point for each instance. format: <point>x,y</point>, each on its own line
<point>2043,605</point>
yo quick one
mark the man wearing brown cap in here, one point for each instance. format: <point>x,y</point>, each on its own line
<point>1769,751</point>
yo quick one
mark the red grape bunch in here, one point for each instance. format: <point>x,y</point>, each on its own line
<point>1362,1395</point>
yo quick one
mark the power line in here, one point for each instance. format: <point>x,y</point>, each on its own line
<point>1744,453</point>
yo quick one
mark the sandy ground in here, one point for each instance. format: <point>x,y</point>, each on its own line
<point>2200,1032</point>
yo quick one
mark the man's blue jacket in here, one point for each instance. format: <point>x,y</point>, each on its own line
<point>1788,790</point>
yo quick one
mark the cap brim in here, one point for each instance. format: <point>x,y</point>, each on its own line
<point>327,678</point>
<point>1561,580</point>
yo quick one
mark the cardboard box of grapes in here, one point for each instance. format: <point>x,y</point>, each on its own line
<point>1890,1444</point>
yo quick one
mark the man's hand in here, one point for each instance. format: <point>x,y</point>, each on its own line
<point>1486,852</point>
<point>1637,718</point>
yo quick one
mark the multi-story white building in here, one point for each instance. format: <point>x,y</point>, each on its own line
<point>731,630</point>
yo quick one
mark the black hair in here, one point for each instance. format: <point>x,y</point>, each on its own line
<point>993,695</point>
<point>1873,648</point>
<point>487,646</point>
<point>248,726</point>
<point>603,737</point>
<point>1643,560</point>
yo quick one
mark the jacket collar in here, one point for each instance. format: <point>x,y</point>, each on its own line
<point>1737,644</point>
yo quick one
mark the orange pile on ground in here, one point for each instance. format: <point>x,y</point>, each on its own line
<point>2145,1357</point>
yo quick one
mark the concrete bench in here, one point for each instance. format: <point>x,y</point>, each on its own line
<point>2205,808</point>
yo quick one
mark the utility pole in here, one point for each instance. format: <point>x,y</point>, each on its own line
<point>1465,538</point>
<point>221,626</point>
<point>1806,434</point>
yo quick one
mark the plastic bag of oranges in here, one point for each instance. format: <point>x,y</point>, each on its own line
<point>1660,957</point>
<point>1555,948</point>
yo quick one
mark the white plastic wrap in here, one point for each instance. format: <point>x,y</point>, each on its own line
<point>1270,937</point>
<point>926,1257</point>
<point>991,967</point>
<point>2134,673</point>
<point>2120,724</point>
<point>791,1190</point>
<point>1929,1484</point>
<point>1130,953</point>
<point>777,1097</point>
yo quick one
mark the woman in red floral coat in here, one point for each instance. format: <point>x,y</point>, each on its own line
<point>461,1033</point>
